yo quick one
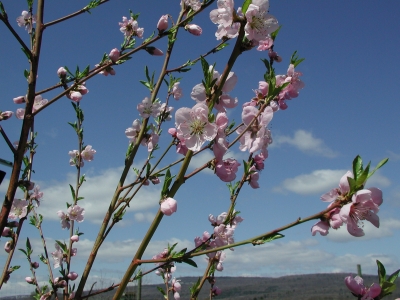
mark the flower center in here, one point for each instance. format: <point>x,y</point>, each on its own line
<point>197,127</point>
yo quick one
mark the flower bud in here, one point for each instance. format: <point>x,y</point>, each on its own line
<point>169,206</point>
<point>72,275</point>
<point>216,291</point>
<point>19,100</point>
<point>9,246</point>
<point>155,180</point>
<point>75,238</point>
<point>35,265</point>
<point>20,113</point>
<point>162,24</point>
<point>194,29</point>
<point>6,232</point>
<point>154,51</point>
<point>30,280</point>
<point>5,115</point>
<point>114,55</point>
<point>61,72</point>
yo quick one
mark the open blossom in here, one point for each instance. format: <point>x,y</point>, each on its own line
<point>257,137</point>
<point>169,206</point>
<point>227,169</point>
<point>364,206</point>
<point>193,126</point>
<point>130,27</point>
<point>223,16</point>
<point>292,89</point>
<point>133,132</point>
<point>58,256</point>
<point>18,209</point>
<point>36,194</point>
<point>150,139</point>
<point>73,161</point>
<point>75,212</point>
<point>88,153</point>
<point>194,4</point>
<point>259,23</point>
<point>177,91</point>
<point>356,286</point>
<point>147,108</point>
<point>27,20</point>
<point>64,219</point>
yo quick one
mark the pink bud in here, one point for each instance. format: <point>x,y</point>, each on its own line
<point>19,100</point>
<point>6,232</point>
<point>162,23</point>
<point>194,29</point>
<point>154,51</point>
<point>172,131</point>
<point>35,265</point>
<point>75,96</point>
<point>72,275</point>
<point>216,291</point>
<point>169,206</point>
<point>75,238</point>
<point>155,180</point>
<point>114,54</point>
<point>61,72</point>
<point>29,280</point>
<point>5,115</point>
<point>8,246</point>
<point>31,185</point>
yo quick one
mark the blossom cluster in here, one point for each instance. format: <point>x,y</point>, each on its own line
<point>74,213</point>
<point>86,154</point>
<point>363,205</point>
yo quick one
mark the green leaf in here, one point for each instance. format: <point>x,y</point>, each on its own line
<point>267,239</point>
<point>205,66</point>
<point>220,47</point>
<point>394,276</point>
<point>62,246</point>
<point>180,253</point>
<point>162,292</point>
<point>387,289</point>
<point>72,192</point>
<point>122,60</point>
<point>295,60</point>
<point>26,74</point>
<point>357,166</point>
<point>28,54</point>
<point>167,183</point>
<point>275,33</point>
<point>170,249</point>
<point>194,287</point>
<point>15,268</point>
<point>23,251</point>
<point>28,246</point>
<point>362,178</point>
<point>381,163</point>
<point>190,262</point>
<point>381,273</point>
<point>245,6</point>
<point>149,38</point>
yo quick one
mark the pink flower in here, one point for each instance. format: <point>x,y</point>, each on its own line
<point>147,108</point>
<point>27,20</point>
<point>5,115</point>
<point>176,288</point>
<point>18,209</point>
<point>64,219</point>
<point>130,28</point>
<point>88,153</point>
<point>114,55</point>
<point>194,29</point>
<point>254,176</point>
<point>150,139</point>
<point>36,194</point>
<point>265,44</point>
<point>200,240</point>
<point>193,126</point>
<point>364,206</point>
<point>58,256</point>
<point>168,206</point>
<point>194,4</point>
<point>72,276</point>
<point>223,16</point>
<point>216,291</point>
<point>77,93</point>
<point>19,100</point>
<point>6,232</point>
<point>133,132</point>
<point>343,189</point>
<point>226,170</point>
<point>162,24</point>
<point>257,137</point>
<point>177,91</point>
<point>73,161</point>
<point>76,213</point>
<point>292,90</point>
<point>259,161</point>
<point>259,23</point>
<point>356,286</point>
<point>20,113</point>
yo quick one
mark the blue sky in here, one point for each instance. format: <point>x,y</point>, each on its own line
<point>349,106</point>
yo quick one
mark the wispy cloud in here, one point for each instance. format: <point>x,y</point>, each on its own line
<point>305,141</point>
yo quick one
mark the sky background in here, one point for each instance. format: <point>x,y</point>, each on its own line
<point>349,106</point>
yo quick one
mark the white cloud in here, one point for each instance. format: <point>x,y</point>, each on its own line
<point>318,182</point>
<point>98,191</point>
<point>304,141</point>
<point>378,180</point>
<point>144,217</point>
<point>386,228</point>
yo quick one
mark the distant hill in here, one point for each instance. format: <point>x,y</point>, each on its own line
<point>296,287</point>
